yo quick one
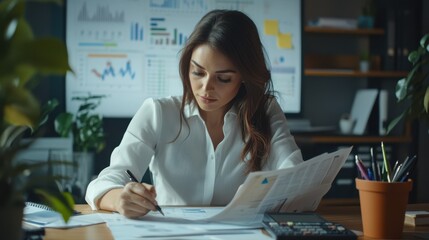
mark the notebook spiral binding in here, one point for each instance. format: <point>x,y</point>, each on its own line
<point>38,205</point>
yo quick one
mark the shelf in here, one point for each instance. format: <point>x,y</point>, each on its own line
<point>351,139</point>
<point>328,30</point>
<point>353,73</point>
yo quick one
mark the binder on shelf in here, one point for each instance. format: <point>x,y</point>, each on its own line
<point>361,109</point>
<point>383,104</point>
<point>386,45</point>
<point>406,34</point>
<point>391,49</point>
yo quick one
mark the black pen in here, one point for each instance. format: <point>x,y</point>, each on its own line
<point>134,179</point>
<point>406,167</point>
<point>374,165</point>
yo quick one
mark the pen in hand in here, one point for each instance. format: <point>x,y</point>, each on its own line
<point>134,179</point>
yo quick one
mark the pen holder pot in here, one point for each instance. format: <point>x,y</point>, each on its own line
<point>383,206</point>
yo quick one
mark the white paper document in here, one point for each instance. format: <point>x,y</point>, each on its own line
<point>180,222</point>
<point>298,188</point>
<point>294,189</point>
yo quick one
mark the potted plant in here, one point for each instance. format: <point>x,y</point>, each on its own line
<point>22,56</point>
<point>366,19</point>
<point>364,61</point>
<point>86,128</point>
<point>414,88</point>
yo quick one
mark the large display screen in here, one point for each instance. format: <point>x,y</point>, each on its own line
<point>129,50</point>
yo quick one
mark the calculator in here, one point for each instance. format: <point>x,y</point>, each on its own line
<point>304,226</point>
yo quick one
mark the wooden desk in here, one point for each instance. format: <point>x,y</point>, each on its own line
<point>346,212</point>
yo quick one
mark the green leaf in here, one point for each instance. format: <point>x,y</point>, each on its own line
<point>24,73</point>
<point>46,109</point>
<point>395,122</point>
<point>424,41</point>
<point>10,135</point>
<point>426,100</point>
<point>10,12</point>
<point>414,56</point>
<point>47,55</point>
<point>62,202</point>
<point>22,33</point>
<point>21,107</point>
<point>401,89</point>
<point>63,124</point>
<point>14,39</point>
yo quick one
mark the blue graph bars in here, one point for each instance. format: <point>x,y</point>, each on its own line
<point>161,35</point>
<point>136,32</point>
<point>101,14</point>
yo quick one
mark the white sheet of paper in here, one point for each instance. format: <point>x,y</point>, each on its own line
<point>76,221</point>
<point>273,190</point>
<point>154,225</point>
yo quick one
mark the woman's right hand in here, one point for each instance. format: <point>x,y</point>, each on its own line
<point>136,200</point>
<point>132,201</point>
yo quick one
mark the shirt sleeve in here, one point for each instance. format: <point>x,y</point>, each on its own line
<point>134,153</point>
<point>284,150</point>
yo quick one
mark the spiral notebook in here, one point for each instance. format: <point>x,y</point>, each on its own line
<point>40,215</point>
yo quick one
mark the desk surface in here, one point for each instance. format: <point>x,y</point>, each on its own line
<point>346,212</point>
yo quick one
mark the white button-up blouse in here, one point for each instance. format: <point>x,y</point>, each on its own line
<point>186,168</point>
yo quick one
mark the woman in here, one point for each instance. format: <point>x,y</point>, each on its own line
<point>200,147</point>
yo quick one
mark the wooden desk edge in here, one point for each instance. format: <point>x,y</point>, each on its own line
<point>343,211</point>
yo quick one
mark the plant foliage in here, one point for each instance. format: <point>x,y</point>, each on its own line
<point>86,126</point>
<point>22,57</point>
<point>414,88</point>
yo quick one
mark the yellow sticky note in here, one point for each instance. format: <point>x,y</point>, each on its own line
<point>271,27</point>
<point>284,40</point>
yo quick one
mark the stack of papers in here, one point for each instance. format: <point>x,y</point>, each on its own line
<point>294,189</point>
<point>417,218</point>
<point>178,222</point>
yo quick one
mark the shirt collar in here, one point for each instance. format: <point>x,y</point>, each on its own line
<point>191,109</point>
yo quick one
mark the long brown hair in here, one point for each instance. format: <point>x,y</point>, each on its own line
<point>235,35</point>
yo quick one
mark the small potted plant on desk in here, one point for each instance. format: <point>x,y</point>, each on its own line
<point>86,128</point>
<point>22,56</point>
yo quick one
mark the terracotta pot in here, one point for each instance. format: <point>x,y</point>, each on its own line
<point>383,206</point>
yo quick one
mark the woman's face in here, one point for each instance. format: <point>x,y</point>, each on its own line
<point>215,81</point>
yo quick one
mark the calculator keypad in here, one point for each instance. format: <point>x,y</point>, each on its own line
<point>314,229</point>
